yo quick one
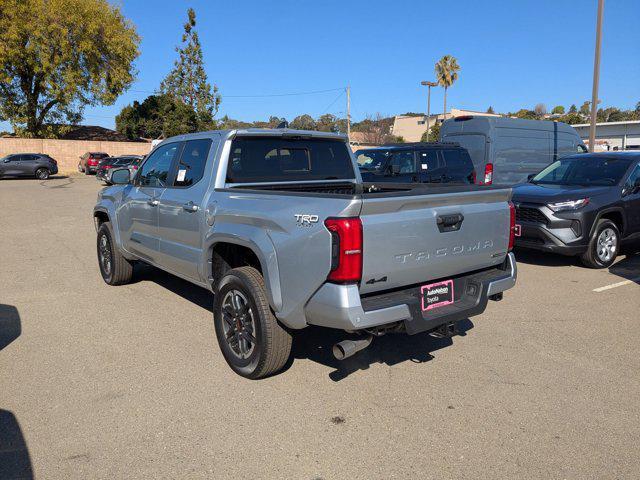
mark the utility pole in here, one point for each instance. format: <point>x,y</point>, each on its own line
<point>428,85</point>
<point>596,79</point>
<point>349,112</point>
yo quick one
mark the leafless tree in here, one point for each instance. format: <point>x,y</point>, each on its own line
<point>540,109</point>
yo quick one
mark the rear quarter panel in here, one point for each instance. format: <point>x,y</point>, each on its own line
<point>295,256</point>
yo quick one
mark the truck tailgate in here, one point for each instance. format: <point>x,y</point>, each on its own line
<point>414,239</point>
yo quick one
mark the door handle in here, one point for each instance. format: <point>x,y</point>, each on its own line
<point>190,207</point>
<point>153,202</point>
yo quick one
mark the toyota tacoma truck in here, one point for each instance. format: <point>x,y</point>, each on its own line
<point>280,227</point>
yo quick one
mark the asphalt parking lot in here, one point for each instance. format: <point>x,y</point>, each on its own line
<point>128,382</point>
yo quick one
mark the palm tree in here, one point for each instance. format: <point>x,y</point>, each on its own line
<point>446,74</point>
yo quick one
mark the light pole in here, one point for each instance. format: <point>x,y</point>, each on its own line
<point>596,79</point>
<point>428,85</point>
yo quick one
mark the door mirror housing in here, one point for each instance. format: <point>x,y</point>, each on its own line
<point>121,176</point>
<point>531,176</point>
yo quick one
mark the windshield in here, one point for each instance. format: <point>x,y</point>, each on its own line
<point>371,159</point>
<point>583,170</point>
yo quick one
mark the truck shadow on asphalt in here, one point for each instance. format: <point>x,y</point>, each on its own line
<point>15,461</point>
<point>315,344</point>
<point>10,325</point>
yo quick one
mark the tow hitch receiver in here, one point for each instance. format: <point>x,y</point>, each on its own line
<point>447,330</point>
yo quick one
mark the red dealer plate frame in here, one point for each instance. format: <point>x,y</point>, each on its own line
<point>436,295</point>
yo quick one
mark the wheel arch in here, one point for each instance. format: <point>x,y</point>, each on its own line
<point>616,215</point>
<point>252,247</point>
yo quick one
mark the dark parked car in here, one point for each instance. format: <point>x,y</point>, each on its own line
<point>88,163</point>
<point>585,205</point>
<point>36,165</point>
<point>416,162</point>
<point>105,166</point>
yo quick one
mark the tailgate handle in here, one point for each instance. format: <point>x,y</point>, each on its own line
<point>450,223</point>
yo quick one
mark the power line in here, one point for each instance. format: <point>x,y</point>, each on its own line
<point>332,103</point>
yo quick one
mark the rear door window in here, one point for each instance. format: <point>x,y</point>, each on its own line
<point>404,161</point>
<point>265,159</point>
<point>192,162</point>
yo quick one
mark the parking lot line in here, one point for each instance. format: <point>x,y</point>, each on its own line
<point>615,285</point>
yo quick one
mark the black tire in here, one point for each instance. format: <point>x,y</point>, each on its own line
<point>267,344</point>
<point>80,169</point>
<point>42,173</point>
<point>118,270</point>
<point>87,171</point>
<point>599,254</point>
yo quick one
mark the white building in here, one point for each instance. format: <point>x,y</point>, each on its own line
<point>613,135</point>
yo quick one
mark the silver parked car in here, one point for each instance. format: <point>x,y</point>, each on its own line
<point>279,225</point>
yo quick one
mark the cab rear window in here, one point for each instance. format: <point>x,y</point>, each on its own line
<point>265,159</point>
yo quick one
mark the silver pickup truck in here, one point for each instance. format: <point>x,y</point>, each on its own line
<point>279,225</point>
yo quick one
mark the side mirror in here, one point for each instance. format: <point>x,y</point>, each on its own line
<point>121,176</point>
<point>531,176</point>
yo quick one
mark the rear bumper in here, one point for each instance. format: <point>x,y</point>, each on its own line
<point>340,306</point>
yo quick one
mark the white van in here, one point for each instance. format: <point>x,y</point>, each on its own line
<point>506,151</point>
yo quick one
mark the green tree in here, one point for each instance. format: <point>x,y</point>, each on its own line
<point>558,110</point>
<point>571,118</point>
<point>433,135</point>
<point>446,74</point>
<point>188,80</point>
<point>490,110</point>
<point>526,114</point>
<point>58,56</point>
<point>573,108</point>
<point>327,123</point>
<point>158,116</point>
<point>303,122</point>
<point>585,109</point>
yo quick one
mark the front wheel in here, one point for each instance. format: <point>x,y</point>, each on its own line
<point>114,268</point>
<point>252,341</point>
<point>603,245</point>
<point>42,173</point>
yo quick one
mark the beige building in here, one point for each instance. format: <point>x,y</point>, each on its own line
<point>412,127</point>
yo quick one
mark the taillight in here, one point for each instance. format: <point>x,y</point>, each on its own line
<point>512,225</point>
<point>488,174</point>
<point>346,249</point>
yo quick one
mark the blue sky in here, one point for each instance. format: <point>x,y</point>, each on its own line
<point>512,53</point>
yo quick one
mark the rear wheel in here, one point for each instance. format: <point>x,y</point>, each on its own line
<point>42,173</point>
<point>252,341</point>
<point>603,245</point>
<point>114,268</point>
<point>86,170</point>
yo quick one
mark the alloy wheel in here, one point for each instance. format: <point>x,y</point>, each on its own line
<point>104,253</point>
<point>239,324</point>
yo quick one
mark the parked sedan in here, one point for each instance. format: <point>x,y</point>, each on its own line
<point>88,163</point>
<point>36,165</point>
<point>108,164</point>
<point>584,205</point>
